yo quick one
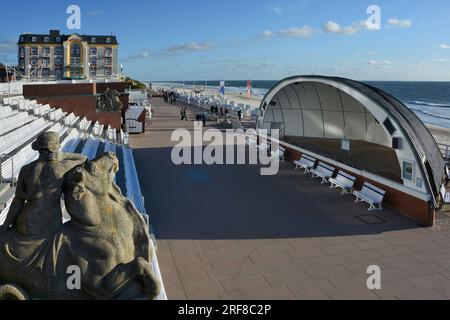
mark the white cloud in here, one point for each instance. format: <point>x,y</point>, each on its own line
<point>267,34</point>
<point>140,55</point>
<point>445,46</point>
<point>189,47</point>
<point>8,46</point>
<point>380,62</point>
<point>334,27</point>
<point>394,22</point>
<point>303,32</point>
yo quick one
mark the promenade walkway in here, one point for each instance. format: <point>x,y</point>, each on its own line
<point>225,232</point>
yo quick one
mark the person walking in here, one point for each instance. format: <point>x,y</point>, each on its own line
<point>183,114</point>
<point>240,114</point>
<point>204,119</point>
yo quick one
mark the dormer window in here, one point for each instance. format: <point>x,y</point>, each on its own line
<point>58,39</point>
<point>22,39</point>
<point>94,40</point>
<point>46,39</point>
<point>34,39</point>
<point>108,40</point>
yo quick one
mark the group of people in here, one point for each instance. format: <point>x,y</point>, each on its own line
<point>170,97</point>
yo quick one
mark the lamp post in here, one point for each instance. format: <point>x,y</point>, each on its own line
<point>121,70</point>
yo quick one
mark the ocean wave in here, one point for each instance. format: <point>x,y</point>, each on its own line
<point>428,104</point>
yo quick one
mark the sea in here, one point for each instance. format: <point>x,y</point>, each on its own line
<point>430,101</point>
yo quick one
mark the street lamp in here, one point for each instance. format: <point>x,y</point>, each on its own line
<point>121,70</point>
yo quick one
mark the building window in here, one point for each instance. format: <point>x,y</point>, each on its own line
<point>93,61</point>
<point>33,61</point>
<point>58,61</point>
<point>94,40</point>
<point>93,51</point>
<point>92,72</point>
<point>108,61</point>
<point>108,40</point>
<point>46,72</point>
<point>58,51</point>
<point>108,71</point>
<point>46,62</point>
<point>46,51</point>
<point>58,72</point>
<point>58,39</point>
<point>108,52</point>
<point>34,39</point>
<point>34,51</point>
<point>47,39</point>
<point>75,61</point>
<point>22,39</point>
<point>21,52</point>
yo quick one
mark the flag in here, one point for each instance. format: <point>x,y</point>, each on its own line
<point>222,87</point>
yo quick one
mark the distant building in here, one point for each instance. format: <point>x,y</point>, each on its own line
<point>56,56</point>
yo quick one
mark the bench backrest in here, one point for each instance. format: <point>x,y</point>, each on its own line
<point>345,178</point>
<point>307,159</point>
<point>372,191</point>
<point>325,167</point>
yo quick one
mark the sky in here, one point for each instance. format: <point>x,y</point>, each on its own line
<point>253,39</point>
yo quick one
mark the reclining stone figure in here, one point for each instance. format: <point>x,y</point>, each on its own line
<point>107,239</point>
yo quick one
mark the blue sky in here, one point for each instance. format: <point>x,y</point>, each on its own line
<point>269,39</point>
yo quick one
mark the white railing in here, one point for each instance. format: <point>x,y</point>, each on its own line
<point>135,195</point>
<point>445,150</point>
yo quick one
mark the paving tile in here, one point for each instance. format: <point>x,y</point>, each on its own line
<point>286,266</point>
<point>433,255</point>
<point>236,252</point>
<point>250,270</point>
<point>420,269</point>
<point>193,265</point>
<point>398,261</point>
<point>269,293</point>
<point>194,276</point>
<point>200,289</point>
<point>341,248</point>
<point>275,247</point>
<point>373,244</point>
<point>360,267</point>
<point>311,296</point>
<point>311,287</point>
<point>308,243</point>
<point>396,288</point>
<point>353,295</point>
<point>287,278</point>
<point>433,281</point>
<point>306,253</point>
<point>319,273</point>
<point>339,240</point>
<point>324,261</point>
<point>237,295</point>
<point>176,294</point>
<point>265,258</point>
<point>247,283</point>
<point>423,295</point>
<point>350,282</point>
<point>208,254</point>
<point>393,251</point>
<point>225,263</point>
<point>362,255</point>
<point>219,274</point>
<point>423,246</point>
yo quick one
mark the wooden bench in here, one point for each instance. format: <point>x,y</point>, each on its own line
<point>343,181</point>
<point>372,195</point>
<point>305,162</point>
<point>323,171</point>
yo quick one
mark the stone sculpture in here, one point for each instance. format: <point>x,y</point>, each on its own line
<point>109,101</point>
<point>106,240</point>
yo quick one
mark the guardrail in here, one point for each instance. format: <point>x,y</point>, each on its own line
<point>445,150</point>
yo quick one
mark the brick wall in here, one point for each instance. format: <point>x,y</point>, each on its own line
<point>80,99</point>
<point>411,207</point>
